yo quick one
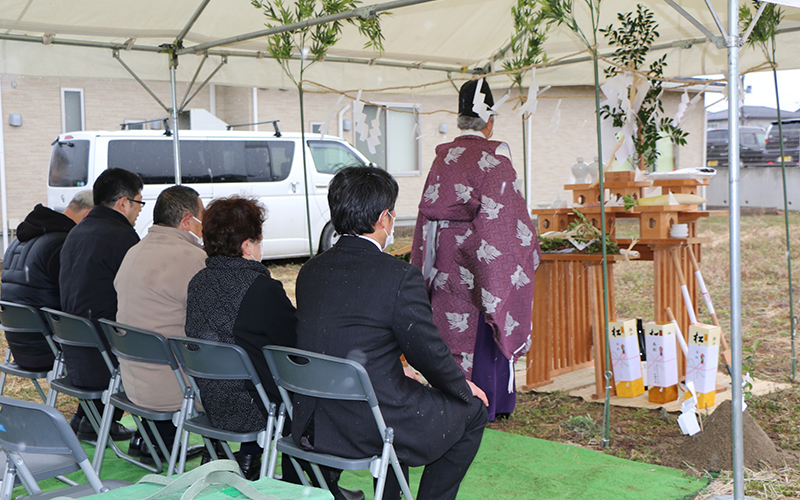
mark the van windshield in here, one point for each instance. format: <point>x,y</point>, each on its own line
<point>69,164</point>
<point>330,157</point>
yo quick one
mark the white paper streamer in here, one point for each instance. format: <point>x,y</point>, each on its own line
<point>676,121</point>
<point>323,129</point>
<point>479,107</point>
<point>555,120</point>
<point>497,105</point>
<point>375,132</point>
<point>533,93</point>
<point>359,118</point>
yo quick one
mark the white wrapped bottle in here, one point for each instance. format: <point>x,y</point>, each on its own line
<point>579,171</point>
<point>594,170</point>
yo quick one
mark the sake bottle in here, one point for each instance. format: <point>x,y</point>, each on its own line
<point>579,171</point>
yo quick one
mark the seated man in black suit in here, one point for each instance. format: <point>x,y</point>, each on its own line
<point>356,302</point>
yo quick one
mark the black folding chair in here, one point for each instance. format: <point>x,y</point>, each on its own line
<point>218,361</point>
<point>327,377</point>
<point>18,320</point>
<point>39,444</point>
<point>76,331</point>
<point>133,344</point>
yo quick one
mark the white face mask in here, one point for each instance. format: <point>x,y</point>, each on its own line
<point>253,257</point>
<point>198,238</point>
<point>389,236</point>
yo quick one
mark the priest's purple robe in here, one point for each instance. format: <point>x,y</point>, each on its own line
<point>477,247</point>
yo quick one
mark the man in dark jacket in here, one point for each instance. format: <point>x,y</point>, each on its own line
<point>30,272</point>
<point>356,302</point>
<point>90,260</point>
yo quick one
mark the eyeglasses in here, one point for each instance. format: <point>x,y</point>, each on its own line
<point>142,203</point>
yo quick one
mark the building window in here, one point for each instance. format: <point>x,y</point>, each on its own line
<point>399,148</point>
<point>133,124</point>
<point>72,119</point>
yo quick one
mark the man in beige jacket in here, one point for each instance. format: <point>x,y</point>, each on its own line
<point>151,286</point>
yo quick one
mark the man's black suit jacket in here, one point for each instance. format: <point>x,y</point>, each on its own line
<point>356,302</point>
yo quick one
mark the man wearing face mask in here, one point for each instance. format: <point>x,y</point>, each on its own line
<point>151,287</point>
<point>356,302</point>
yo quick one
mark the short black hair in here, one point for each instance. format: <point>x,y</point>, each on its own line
<point>357,196</point>
<point>175,203</point>
<point>115,183</point>
<point>227,222</point>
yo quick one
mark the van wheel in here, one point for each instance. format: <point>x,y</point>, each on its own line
<point>329,238</point>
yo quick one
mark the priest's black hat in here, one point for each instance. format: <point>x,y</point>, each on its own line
<point>466,97</point>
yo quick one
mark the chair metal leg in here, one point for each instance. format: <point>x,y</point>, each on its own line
<point>273,457</point>
<point>302,474</point>
<point>3,375</point>
<point>39,390</point>
<point>401,478</point>
<point>9,478</point>
<point>266,444</point>
<point>102,436</point>
<point>25,475</point>
<point>92,477</point>
<point>384,466</point>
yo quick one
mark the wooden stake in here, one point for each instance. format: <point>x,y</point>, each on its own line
<point>726,352</point>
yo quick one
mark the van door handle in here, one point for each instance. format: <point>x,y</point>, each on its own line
<point>322,186</point>
<point>294,186</point>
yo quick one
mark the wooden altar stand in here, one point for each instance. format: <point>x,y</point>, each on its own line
<point>568,324</point>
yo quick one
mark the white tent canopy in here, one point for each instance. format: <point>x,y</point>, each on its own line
<point>437,36</point>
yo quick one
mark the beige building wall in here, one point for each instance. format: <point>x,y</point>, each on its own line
<point>554,145</point>
<point>107,104</point>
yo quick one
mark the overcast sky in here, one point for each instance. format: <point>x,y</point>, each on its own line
<point>763,91</point>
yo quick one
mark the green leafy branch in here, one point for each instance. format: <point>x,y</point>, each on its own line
<point>313,42</point>
<point>560,12</point>
<point>527,42</point>
<point>632,39</point>
<point>763,34</point>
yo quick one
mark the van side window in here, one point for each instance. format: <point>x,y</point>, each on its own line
<point>151,159</point>
<point>69,164</point>
<point>330,157</point>
<point>251,161</point>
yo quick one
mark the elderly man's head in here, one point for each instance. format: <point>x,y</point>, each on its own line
<point>179,207</point>
<point>80,206</point>
<point>468,118</point>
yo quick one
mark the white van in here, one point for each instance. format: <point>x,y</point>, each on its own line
<point>216,164</point>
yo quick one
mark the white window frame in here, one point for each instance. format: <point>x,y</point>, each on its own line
<point>145,126</point>
<point>319,125</point>
<point>393,106</point>
<point>63,109</point>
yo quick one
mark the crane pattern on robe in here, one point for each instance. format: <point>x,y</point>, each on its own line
<point>477,247</point>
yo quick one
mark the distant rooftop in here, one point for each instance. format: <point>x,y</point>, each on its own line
<point>755,112</point>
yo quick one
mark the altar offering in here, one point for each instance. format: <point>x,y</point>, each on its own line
<point>625,359</point>
<point>702,362</point>
<point>662,362</point>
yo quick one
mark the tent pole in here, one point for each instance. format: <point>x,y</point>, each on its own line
<point>3,192</point>
<point>363,11</point>
<point>176,148</point>
<point>732,42</point>
<point>192,20</point>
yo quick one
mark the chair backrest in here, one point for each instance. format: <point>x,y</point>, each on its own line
<point>215,361</point>
<point>36,428</point>
<point>319,375</point>
<point>19,318</point>
<point>76,331</point>
<point>136,344</point>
